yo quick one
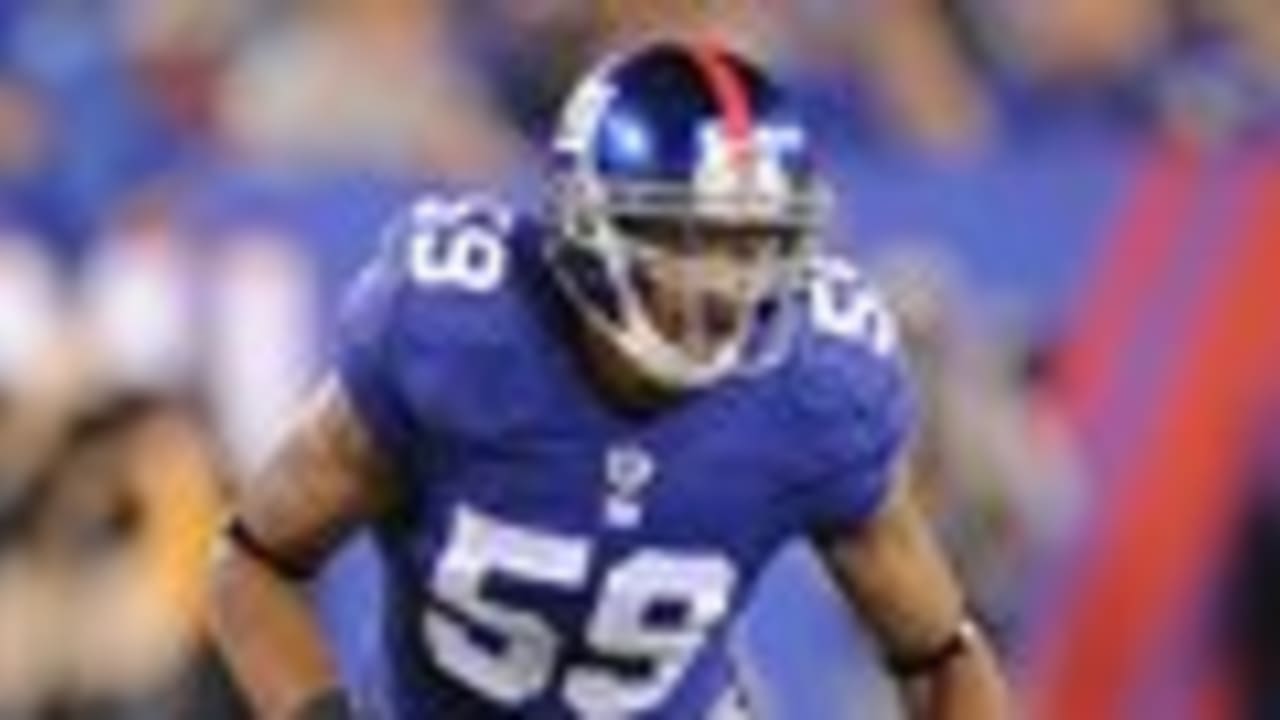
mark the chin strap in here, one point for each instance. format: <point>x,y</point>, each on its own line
<point>961,640</point>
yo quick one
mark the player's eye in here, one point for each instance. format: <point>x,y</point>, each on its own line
<point>747,242</point>
<point>660,233</point>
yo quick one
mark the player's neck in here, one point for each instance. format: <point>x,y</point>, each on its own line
<point>621,385</point>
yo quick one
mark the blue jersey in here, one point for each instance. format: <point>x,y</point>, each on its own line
<point>550,556</point>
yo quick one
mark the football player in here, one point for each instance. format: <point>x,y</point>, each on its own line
<point>578,440</point>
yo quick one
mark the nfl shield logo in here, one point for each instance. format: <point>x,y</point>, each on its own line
<point>628,470</point>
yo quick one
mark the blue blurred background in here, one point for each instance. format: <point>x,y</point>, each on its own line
<point>1074,206</point>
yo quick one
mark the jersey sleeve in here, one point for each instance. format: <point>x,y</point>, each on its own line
<point>864,443</point>
<point>858,399</point>
<point>366,346</point>
<point>415,334</point>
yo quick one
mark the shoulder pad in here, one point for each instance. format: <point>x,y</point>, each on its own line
<point>849,374</point>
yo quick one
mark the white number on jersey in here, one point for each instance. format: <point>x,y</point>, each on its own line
<point>843,304</point>
<point>698,584</point>
<point>459,243</point>
<point>694,587</point>
<point>477,548</point>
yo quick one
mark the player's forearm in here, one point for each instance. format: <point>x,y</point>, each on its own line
<point>269,634</point>
<point>968,687</point>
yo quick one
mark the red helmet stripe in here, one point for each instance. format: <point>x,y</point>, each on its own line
<point>729,92</point>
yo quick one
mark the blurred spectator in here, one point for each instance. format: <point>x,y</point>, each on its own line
<point>1223,80</point>
<point>138,299</point>
<point>262,296</point>
<point>108,487</point>
<point>37,369</point>
<point>1061,64</point>
<point>1070,41</point>
<point>994,468</point>
<point>30,197</point>
<point>904,58</point>
<point>749,25</point>
<point>529,53</point>
<point>177,50</point>
<point>107,508</point>
<point>120,527</point>
<point>107,130</point>
<point>35,391</point>
<point>363,84</point>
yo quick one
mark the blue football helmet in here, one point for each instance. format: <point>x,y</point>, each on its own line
<point>687,208</point>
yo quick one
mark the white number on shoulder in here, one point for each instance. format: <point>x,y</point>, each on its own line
<point>842,303</point>
<point>459,242</point>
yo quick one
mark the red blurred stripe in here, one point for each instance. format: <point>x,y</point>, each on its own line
<point>1177,497</point>
<point>1129,267</point>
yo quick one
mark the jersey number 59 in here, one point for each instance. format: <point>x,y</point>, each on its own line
<point>655,609</point>
<point>843,304</point>
<point>459,243</point>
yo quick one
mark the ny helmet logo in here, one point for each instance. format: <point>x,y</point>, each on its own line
<point>747,170</point>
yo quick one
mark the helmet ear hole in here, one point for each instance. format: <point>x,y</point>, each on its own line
<point>573,209</point>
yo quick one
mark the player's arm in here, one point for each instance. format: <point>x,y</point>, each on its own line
<point>322,482</point>
<point>895,575</point>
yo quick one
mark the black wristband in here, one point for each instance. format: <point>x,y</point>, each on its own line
<point>959,641</point>
<point>239,533</point>
<point>331,704</point>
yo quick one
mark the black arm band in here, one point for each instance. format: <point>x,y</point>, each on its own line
<point>959,641</point>
<point>331,704</point>
<point>239,533</point>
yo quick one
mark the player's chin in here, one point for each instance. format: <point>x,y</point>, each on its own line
<point>708,339</point>
<point>708,351</point>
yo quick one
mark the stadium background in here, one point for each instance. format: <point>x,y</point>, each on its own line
<point>1074,205</point>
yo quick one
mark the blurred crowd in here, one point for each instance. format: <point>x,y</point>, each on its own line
<point>184,184</point>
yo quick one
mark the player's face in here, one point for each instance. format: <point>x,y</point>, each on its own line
<point>702,283</point>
